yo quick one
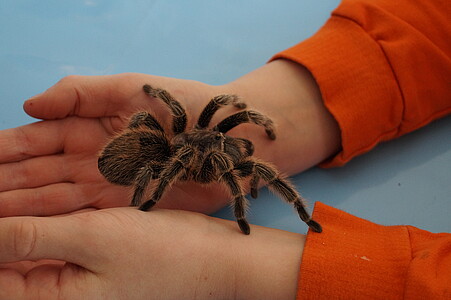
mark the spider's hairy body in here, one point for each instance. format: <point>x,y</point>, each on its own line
<point>145,152</point>
<point>127,153</point>
<point>205,143</point>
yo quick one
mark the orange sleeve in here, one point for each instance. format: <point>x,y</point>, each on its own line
<point>356,259</point>
<point>383,68</point>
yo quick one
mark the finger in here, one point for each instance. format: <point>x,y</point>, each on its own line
<point>24,266</point>
<point>40,138</point>
<point>86,96</point>
<point>51,199</point>
<point>12,284</point>
<point>49,281</point>
<point>42,281</point>
<point>33,238</point>
<point>34,172</point>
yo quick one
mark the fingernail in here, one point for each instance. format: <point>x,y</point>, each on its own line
<point>29,101</point>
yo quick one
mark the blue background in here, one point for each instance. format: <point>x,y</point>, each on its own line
<point>406,181</point>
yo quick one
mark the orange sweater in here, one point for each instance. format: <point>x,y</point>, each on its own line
<point>384,69</point>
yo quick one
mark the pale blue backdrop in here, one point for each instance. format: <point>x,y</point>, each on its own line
<point>407,181</point>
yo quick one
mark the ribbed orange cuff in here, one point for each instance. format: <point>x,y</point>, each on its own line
<point>356,83</point>
<point>353,258</point>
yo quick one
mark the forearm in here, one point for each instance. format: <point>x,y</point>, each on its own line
<point>306,132</point>
<point>263,265</point>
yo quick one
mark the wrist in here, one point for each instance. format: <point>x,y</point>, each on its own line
<point>262,265</point>
<point>268,264</point>
<point>288,93</point>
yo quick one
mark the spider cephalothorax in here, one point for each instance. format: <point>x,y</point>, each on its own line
<point>144,151</point>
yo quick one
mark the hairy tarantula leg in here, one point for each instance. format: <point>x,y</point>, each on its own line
<point>214,104</point>
<point>286,190</point>
<point>179,118</point>
<point>223,164</point>
<point>247,116</point>
<point>247,145</point>
<point>240,203</point>
<point>141,182</point>
<point>245,169</point>
<point>145,119</point>
<point>171,173</point>
<point>254,186</point>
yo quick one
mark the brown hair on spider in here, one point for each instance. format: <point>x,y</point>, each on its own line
<point>144,152</point>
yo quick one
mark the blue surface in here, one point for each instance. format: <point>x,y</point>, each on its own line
<point>407,181</point>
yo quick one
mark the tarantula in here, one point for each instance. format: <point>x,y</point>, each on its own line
<point>145,152</point>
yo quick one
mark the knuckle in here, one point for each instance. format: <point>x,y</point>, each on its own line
<point>24,237</point>
<point>75,85</point>
<point>21,173</point>
<point>23,142</point>
<point>69,79</point>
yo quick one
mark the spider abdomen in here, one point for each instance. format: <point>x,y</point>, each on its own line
<point>136,149</point>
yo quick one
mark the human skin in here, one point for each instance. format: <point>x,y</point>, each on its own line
<point>125,253</point>
<point>81,113</point>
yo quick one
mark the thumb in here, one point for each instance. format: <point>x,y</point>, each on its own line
<point>86,96</point>
<point>58,238</point>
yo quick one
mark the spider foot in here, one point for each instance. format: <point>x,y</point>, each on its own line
<point>254,193</point>
<point>315,226</point>
<point>270,133</point>
<point>244,226</point>
<point>147,205</point>
<point>240,105</point>
<point>149,90</point>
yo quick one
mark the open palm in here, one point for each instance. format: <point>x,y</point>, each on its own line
<point>50,167</point>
